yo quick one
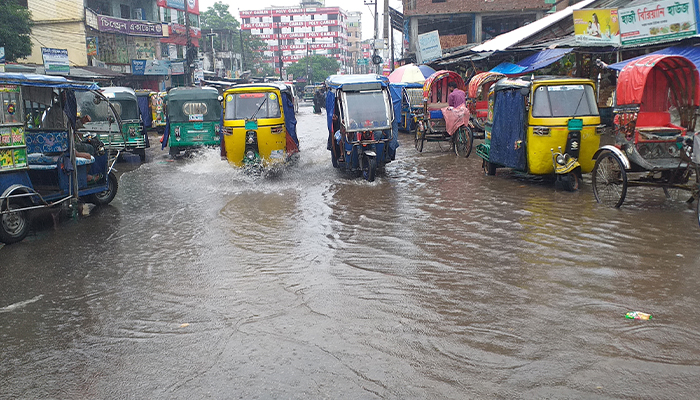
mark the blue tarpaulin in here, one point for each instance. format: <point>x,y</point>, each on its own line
<point>532,63</point>
<point>691,53</point>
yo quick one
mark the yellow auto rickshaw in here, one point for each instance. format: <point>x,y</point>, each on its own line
<point>543,126</point>
<point>259,125</point>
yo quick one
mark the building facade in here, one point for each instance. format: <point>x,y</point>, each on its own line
<point>294,33</point>
<point>354,41</point>
<point>460,22</point>
<point>143,39</point>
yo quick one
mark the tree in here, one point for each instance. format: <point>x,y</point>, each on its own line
<point>218,17</point>
<point>321,67</point>
<point>15,28</point>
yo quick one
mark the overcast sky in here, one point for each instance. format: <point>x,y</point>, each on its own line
<point>347,5</point>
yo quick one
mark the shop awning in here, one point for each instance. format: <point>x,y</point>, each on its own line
<point>508,39</point>
<point>532,63</point>
<point>691,53</point>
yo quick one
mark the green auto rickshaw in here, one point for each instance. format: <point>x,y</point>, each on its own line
<point>193,119</point>
<point>125,102</point>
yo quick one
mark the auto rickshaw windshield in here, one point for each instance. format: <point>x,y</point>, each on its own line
<point>367,109</point>
<point>247,105</point>
<point>564,101</point>
<point>96,107</point>
<point>126,109</point>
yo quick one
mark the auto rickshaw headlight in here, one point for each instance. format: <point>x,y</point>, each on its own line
<point>561,159</point>
<point>250,155</point>
<point>367,135</point>
<point>132,132</point>
<point>177,132</point>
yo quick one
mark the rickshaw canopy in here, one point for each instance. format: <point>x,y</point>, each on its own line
<point>357,82</point>
<point>119,93</point>
<point>439,76</point>
<point>648,81</point>
<point>478,81</point>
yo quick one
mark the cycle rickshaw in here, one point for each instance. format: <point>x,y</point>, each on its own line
<point>651,148</point>
<point>439,123</point>
<point>477,99</point>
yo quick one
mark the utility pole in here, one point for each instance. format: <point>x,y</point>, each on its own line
<point>376,35</point>
<point>308,69</point>
<point>188,46</point>
<point>279,46</point>
<point>240,36</point>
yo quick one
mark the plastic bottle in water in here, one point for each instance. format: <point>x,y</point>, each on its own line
<point>638,315</point>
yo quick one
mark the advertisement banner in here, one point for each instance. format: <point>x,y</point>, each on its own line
<point>92,46</point>
<point>129,27</point>
<point>428,47</point>
<point>55,61</point>
<point>657,22</point>
<point>150,67</point>
<point>597,27</point>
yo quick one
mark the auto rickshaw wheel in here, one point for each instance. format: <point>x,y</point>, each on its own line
<point>609,180</point>
<point>420,137</point>
<point>173,151</point>
<point>106,197</point>
<point>141,153</point>
<point>570,182</point>
<point>464,139</point>
<point>370,170</point>
<point>14,226</point>
<point>489,168</point>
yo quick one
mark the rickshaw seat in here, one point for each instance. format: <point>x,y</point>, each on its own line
<point>436,114</point>
<point>653,118</point>
<point>653,123</point>
<point>436,106</point>
<point>45,148</point>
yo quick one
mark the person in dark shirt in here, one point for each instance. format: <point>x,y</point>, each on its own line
<point>457,97</point>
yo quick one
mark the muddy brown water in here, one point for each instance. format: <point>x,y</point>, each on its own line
<point>435,281</point>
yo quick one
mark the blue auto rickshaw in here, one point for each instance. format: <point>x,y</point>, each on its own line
<point>362,130</point>
<point>411,100</point>
<point>41,164</point>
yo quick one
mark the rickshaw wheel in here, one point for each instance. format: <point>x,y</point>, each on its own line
<point>370,172</point>
<point>464,140</point>
<point>420,136</point>
<point>478,123</point>
<point>14,226</point>
<point>609,180</point>
<point>106,197</point>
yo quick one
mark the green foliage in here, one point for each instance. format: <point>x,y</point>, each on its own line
<point>15,28</point>
<point>321,66</point>
<point>218,17</point>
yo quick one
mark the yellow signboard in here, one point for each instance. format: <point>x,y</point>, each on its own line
<point>599,26</point>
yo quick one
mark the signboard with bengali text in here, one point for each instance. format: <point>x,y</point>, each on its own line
<point>657,22</point>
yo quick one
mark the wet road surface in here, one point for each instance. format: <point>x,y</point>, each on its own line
<point>435,281</point>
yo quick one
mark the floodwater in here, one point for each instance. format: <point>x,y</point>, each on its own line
<point>434,281</point>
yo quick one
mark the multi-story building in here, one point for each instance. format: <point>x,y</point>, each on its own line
<point>295,33</point>
<point>354,40</point>
<point>126,36</point>
<point>460,22</point>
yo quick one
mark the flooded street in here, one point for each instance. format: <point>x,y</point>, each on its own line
<point>434,281</point>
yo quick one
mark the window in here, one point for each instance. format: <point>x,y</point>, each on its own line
<point>247,105</point>
<point>564,101</point>
<point>181,18</point>
<point>125,11</point>
<point>291,18</point>
<point>276,19</point>
<point>167,17</point>
<point>194,108</point>
<point>246,20</point>
<point>332,17</point>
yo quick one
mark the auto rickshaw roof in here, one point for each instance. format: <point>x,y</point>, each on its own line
<point>282,87</point>
<point>653,76</point>
<point>119,93</point>
<point>477,82</point>
<point>511,83</point>
<point>356,82</point>
<point>14,78</point>
<point>193,93</point>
